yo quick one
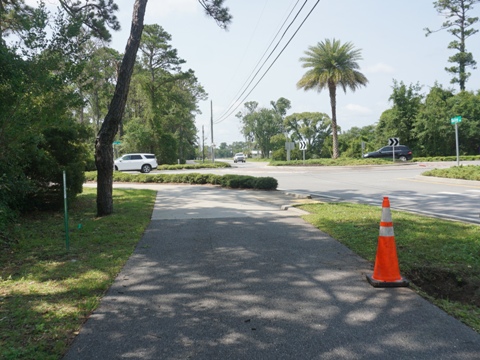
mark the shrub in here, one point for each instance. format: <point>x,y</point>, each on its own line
<point>266,183</point>
<point>238,181</point>
<point>229,180</point>
<point>218,164</point>
<point>279,155</point>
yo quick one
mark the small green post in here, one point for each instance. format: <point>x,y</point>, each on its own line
<point>66,209</point>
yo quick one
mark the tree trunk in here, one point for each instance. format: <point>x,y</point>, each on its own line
<point>333,103</point>
<point>103,143</point>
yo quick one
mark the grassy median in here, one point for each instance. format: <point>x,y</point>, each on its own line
<point>440,257</point>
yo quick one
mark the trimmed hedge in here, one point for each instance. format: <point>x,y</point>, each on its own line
<point>377,161</point>
<point>447,158</point>
<point>468,172</point>
<point>332,162</point>
<point>218,164</point>
<point>229,180</point>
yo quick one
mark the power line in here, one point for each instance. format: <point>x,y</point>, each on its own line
<point>223,117</point>
<point>249,42</point>
<point>237,95</point>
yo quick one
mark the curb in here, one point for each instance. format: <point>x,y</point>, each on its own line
<point>296,195</point>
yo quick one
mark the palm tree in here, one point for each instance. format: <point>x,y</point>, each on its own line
<point>332,64</point>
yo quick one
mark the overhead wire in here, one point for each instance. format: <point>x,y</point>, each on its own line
<point>225,115</point>
<point>238,94</point>
<point>235,73</point>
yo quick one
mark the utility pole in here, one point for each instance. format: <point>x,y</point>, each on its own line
<point>203,145</point>
<point>211,124</point>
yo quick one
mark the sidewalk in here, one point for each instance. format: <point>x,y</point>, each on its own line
<point>227,274</point>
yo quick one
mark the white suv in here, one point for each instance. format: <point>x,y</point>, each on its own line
<point>239,157</point>
<point>136,162</point>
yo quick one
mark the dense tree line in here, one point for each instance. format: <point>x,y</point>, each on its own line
<point>58,110</point>
<point>40,136</point>
<point>421,120</point>
<point>163,99</point>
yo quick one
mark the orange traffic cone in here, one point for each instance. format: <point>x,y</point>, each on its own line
<point>386,272</point>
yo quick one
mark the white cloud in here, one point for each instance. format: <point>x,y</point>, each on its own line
<point>358,109</point>
<point>379,68</point>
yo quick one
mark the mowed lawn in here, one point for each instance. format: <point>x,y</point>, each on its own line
<point>47,292</point>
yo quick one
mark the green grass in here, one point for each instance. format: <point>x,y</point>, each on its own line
<point>447,158</point>
<point>47,292</point>
<point>197,165</point>
<point>257,159</point>
<point>335,162</point>
<point>440,257</point>
<point>344,161</point>
<point>469,172</point>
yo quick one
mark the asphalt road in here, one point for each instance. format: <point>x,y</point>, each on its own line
<point>227,274</point>
<point>402,183</point>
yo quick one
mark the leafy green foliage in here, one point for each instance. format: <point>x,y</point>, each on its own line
<point>433,132</point>
<point>423,122</point>
<point>217,11</point>
<point>459,24</point>
<point>97,83</point>
<point>237,181</point>
<point>97,15</point>
<point>469,172</point>
<point>228,180</point>
<point>313,128</point>
<point>447,158</point>
<point>466,104</point>
<point>162,103</point>
<point>399,120</point>
<point>216,165</point>
<point>39,137</point>
<point>260,125</point>
<point>265,183</point>
<point>341,161</point>
<point>350,141</point>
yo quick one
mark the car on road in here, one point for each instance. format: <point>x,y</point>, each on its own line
<point>402,153</point>
<point>136,162</point>
<point>239,157</point>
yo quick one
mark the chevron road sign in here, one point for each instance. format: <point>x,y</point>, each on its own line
<point>393,142</point>
<point>302,145</point>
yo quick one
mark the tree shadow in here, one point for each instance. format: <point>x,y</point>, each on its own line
<point>260,288</point>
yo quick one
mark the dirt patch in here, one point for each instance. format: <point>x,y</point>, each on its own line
<point>447,284</point>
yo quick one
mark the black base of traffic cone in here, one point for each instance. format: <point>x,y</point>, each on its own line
<point>377,283</point>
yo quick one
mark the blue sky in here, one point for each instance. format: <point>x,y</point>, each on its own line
<point>389,33</point>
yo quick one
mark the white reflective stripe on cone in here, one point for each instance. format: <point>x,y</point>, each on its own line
<point>386,231</point>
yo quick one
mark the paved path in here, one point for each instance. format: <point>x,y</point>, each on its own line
<point>227,274</point>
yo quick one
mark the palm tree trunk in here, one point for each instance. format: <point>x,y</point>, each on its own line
<point>332,88</point>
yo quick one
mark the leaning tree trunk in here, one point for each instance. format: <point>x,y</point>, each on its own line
<point>103,143</point>
<point>333,103</point>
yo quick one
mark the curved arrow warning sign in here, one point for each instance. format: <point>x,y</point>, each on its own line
<point>393,141</point>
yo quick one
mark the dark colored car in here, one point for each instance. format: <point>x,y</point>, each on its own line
<point>402,153</point>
